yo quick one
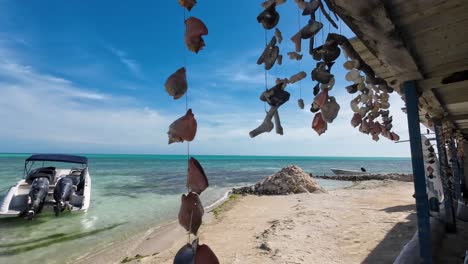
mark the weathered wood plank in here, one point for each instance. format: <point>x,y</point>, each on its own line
<point>370,22</point>
<point>408,11</point>
<point>435,83</point>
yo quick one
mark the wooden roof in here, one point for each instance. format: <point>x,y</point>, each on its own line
<point>423,40</point>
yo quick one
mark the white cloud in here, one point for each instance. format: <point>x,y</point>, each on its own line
<point>41,112</point>
<point>131,64</point>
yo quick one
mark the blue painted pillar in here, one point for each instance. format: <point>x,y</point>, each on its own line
<point>422,203</point>
<point>450,223</point>
<point>455,170</point>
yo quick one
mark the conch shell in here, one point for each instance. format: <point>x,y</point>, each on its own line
<point>194,30</point>
<point>183,129</point>
<point>269,18</point>
<point>191,212</point>
<point>330,110</point>
<point>196,178</point>
<point>318,124</point>
<point>176,84</point>
<point>187,4</point>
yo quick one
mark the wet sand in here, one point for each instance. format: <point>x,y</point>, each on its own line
<point>367,223</point>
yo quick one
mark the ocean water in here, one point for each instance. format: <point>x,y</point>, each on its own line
<point>131,193</point>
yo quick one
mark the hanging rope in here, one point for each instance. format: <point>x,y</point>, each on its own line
<point>186,96</point>
<point>266,72</point>
<point>300,61</point>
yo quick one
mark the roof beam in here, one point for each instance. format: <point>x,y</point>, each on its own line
<point>371,23</point>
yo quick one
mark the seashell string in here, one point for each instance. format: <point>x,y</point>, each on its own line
<point>184,129</point>
<point>370,102</point>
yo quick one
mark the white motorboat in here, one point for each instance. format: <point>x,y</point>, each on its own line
<point>60,188</point>
<point>340,172</point>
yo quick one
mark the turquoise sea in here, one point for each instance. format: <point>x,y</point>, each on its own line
<point>131,193</point>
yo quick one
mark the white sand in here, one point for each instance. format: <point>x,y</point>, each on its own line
<point>368,223</point>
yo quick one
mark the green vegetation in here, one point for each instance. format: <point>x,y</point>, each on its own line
<point>219,209</point>
<point>137,256</point>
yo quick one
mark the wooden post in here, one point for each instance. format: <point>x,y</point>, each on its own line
<point>455,171</point>
<point>422,203</point>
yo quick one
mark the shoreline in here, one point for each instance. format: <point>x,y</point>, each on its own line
<point>157,245</point>
<point>147,243</point>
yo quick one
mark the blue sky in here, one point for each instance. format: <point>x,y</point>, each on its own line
<point>88,77</point>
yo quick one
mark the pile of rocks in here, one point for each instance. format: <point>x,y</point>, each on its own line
<point>290,179</point>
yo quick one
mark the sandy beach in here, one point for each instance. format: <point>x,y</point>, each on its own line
<point>367,223</point>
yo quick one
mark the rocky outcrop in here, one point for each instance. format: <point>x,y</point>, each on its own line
<point>288,180</point>
<point>367,177</point>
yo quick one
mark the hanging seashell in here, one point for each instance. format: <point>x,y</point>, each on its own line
<point>314,108</point>
<point>375,137</point>
<point>278,35</point>
<point>321,98</point>
<point>296,39</point>
<point>364,128</point>
<point>300,103</point>
<point>194,30</point>
<point>310,7</point>
<point>361,86</point>
<point>384,97</point>
<point>318,124</point>
<point>377,128</point>
<point>329,85</point>
<point>187,4</point>
<point>294,56</point>
<point>183,129</point>
<point>356,63</point>
<point>196,178</point>
<point>385,105</point>
<point>269,18</point>
<point>355,104</point>
<point>275,96</point>
<point>363,111</point>
<point>205,255</point>
<point>352,75</point>
<point>316,89</point>
<point>331,52</point>
<point>364,98</point>
<point>348,65</point>
<point>186,254</point>
<point>297,77</point>
<point>268,3</point>
<point>394,136</point>
<point>320,74</point>
<point>279,59</point>
<point>356,120</point>
<point>352,88</point>
<point>330,110</point>
<point>191,212</point>
<point>176,84</point>
<point>281,81</point>
<point>270,54</point>
<point>309,30</point>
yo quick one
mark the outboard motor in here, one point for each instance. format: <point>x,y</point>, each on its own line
<point>64,188</point>
<point>37,195</point>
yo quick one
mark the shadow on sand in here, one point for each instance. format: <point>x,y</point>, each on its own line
<point>389,248</point>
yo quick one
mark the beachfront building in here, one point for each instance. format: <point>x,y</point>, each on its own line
<point>420,48</point>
